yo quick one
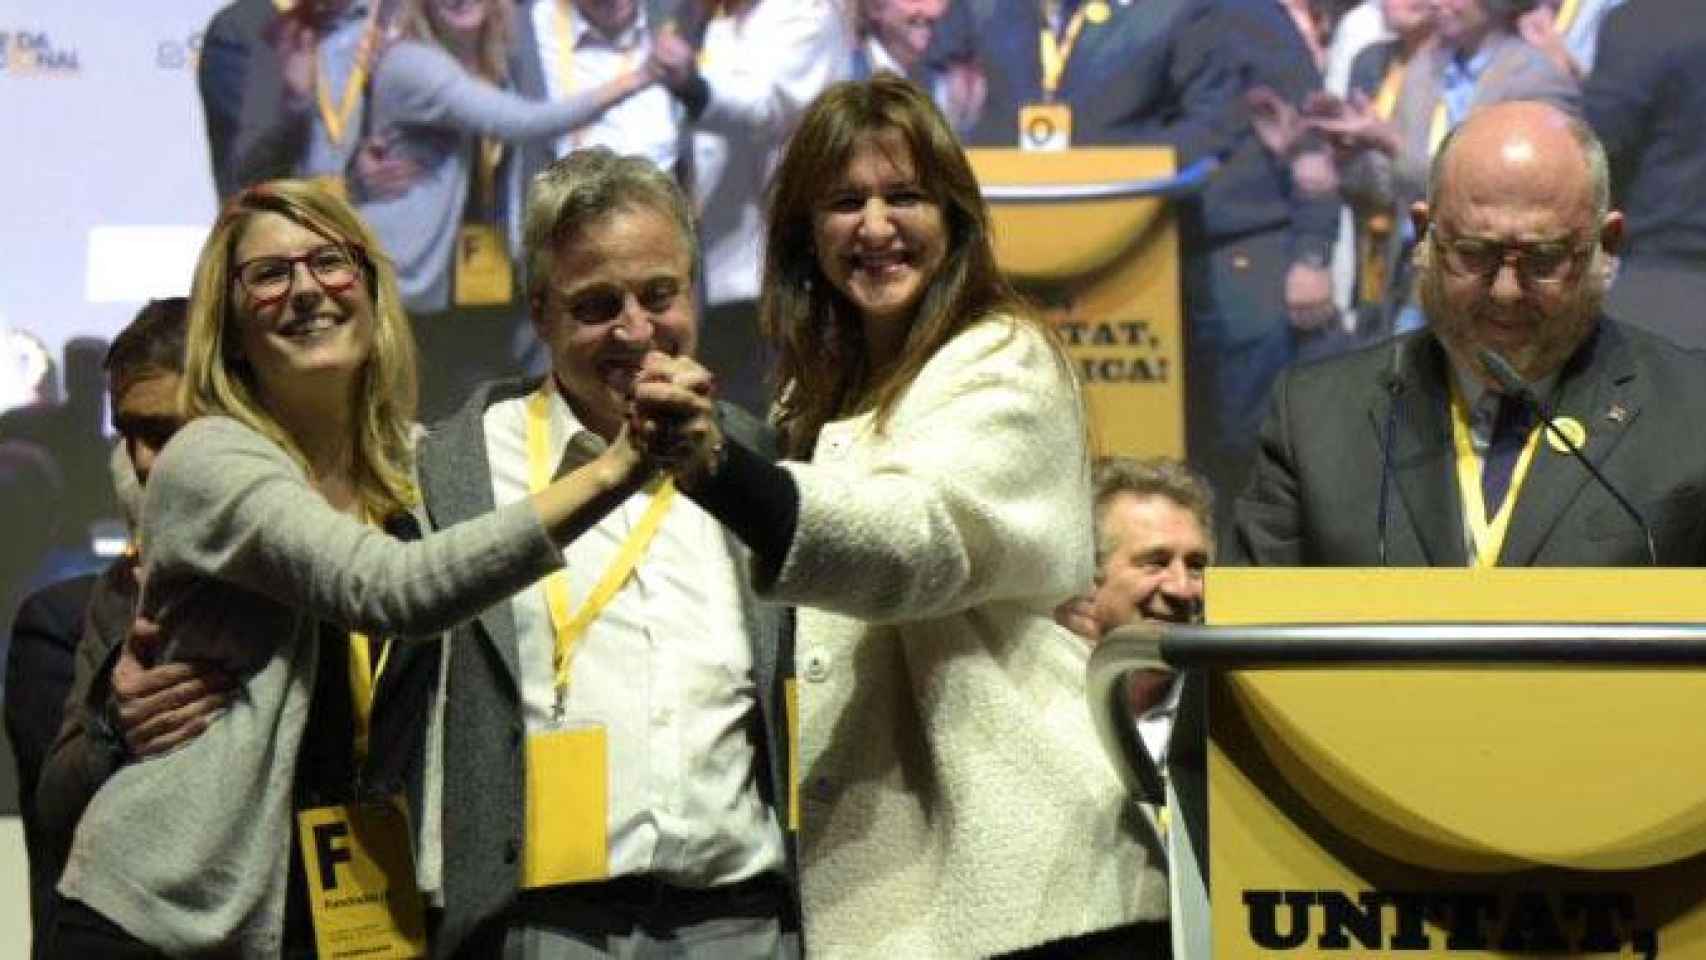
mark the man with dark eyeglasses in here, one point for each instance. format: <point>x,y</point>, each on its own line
<point>1428,449</point>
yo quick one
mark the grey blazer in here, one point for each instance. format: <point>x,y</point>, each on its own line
<point>484,739</point>
<point>1515,71</point>
<point>1314,498</point>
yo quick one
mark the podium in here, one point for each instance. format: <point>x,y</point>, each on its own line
<point>1090,235</point>
<point>1433,762</point>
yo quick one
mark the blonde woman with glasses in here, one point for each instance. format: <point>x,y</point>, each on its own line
<point>264,554</point>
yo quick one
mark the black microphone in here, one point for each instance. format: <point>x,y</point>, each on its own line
<point>1394,383</point>
<point>1513,386</point>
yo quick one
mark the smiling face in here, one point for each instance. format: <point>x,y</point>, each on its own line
<point>1462,24</point>
<point>904,26</point>
<point>316,334</point>
<point>463,18</point>
<point>620,285</point>
<point>1516,180</point>
<point>1153,568</point>
<point>880,237</point>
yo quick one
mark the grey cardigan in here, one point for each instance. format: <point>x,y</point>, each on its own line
<point>484,772</point>
<point>189,851</point>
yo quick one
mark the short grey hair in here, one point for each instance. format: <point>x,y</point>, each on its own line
<point>586,186</point>
<point>1146,477</point>
<point>1599,168</point>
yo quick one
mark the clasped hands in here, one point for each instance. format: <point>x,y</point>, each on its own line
<point>672,417</point>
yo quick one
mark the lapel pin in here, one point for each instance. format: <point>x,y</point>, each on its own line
<point>1097,12</point>
<point>1617,413</point>
<point>1569,427</point>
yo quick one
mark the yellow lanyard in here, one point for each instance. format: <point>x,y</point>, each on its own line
<point>1566,15</point>
<point>568,627</point>
<point>1056,53</point>
<point>337,118</point>
<point>1387,96</point>
<point>1437,128</point>
<point>363,679</point>
<point>1489,536</point>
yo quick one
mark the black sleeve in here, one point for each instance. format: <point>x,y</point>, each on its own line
<point>757,500</point>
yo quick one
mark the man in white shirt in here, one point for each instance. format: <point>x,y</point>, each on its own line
<point>583,43</point>
<point>612,762</point>
<point>757,66</point>
<point>1153,546</point>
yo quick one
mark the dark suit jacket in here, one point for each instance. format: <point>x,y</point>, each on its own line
<point>484,738</point>
<point>237,75</point>
<point>1645,99</point>
<point>38,679</point>
<point>1149,75</point>
<point>1314,498</point>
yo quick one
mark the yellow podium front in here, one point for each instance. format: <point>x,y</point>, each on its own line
<point>1478,802</point>
<point>1088,235</point>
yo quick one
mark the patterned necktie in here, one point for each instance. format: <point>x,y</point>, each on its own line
<point>1510,433</point>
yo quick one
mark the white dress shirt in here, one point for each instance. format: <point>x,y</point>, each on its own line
<point>647,123</point>
<point>762,66</point>
<point>666,668</point>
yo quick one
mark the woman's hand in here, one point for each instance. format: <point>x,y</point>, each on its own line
<point>673,419</point>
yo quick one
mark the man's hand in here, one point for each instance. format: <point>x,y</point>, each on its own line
<point>1078,614</point>
<point>295,43</point>
<point>966,88</point>
<point>674,60</point>
<point>1539,28</point>
<point>1355,127</point>
<point>159,708</point>
<point>1313,173</point>
<point>1309,296</point>
<point>381,173</point>
<point>673,421</point>
<point>1274,120</point>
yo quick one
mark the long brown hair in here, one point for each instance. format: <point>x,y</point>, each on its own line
<point>823,369</point>
<point>219,380</point>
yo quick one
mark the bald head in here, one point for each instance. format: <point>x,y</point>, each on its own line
<point>1516,237</point>
<point>1528,144</point>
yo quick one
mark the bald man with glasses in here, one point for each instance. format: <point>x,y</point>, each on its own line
<point>1514,257</point>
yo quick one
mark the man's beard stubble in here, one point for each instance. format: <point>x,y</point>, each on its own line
<point>1557,334</point>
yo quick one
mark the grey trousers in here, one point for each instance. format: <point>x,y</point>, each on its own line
<point>567,928</point>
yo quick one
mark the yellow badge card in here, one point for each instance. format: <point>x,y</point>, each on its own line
<point>791,696</point>
<point>1045,126</point>
<point>361,881</point>
<point>483,272</point>
<point>568,790</point>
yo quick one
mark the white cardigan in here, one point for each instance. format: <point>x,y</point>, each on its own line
<point>954,799</point>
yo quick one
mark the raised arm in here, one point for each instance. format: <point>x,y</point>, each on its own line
<point>226,504</point>
<point>979,491</point>
<point>416,83</point>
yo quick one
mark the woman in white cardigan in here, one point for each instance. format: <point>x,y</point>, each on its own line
<point>261,545</point>
<point>953,801</point>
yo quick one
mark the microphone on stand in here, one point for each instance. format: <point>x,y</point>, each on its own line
<point>1393,381</point>
<point>1514,386</point>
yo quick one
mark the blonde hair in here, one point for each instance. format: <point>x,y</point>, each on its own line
<point>418,20</point>
<point>218,378</point>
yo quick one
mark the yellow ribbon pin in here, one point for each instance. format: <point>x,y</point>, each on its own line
<point>1569,427</point>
